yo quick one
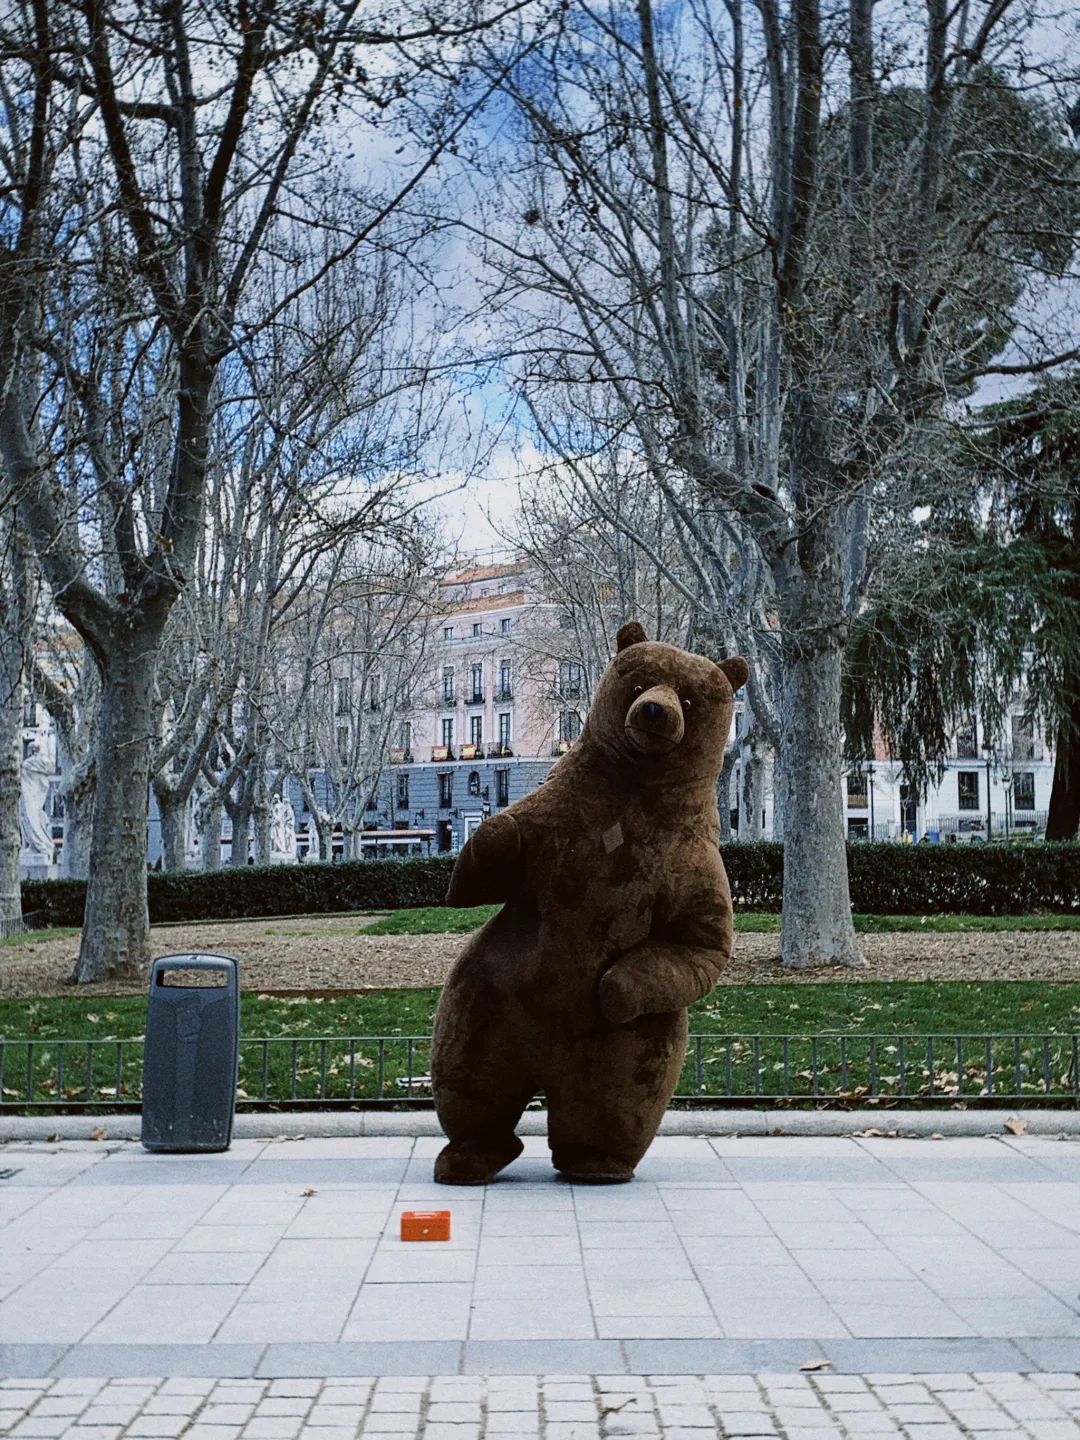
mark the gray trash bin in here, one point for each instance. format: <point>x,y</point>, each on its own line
<point>190,1054</point>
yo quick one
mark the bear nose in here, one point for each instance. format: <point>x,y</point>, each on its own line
<point>652,711</point>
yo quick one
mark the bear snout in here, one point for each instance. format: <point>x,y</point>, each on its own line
<point>654,722</point>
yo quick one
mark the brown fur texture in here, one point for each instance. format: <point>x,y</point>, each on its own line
<point>617,916</point>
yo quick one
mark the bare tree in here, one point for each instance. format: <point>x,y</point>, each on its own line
<point>161,163</point>
<point>785,253</point>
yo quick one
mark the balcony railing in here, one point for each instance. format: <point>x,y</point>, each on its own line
<point>500,749</point>
<point>442,752</point>
<point>471,752</point>
<point>560,747</point>
<point>401,755</point>
<point>476,698</point>
<point>504,692</point>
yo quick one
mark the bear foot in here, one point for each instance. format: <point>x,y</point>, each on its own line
<point>475,1162</point>
<point>591,1167</point>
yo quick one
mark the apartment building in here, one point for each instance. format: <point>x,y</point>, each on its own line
<point>497,711</point>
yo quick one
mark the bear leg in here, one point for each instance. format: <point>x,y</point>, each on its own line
<point>590,1166</point>
<point>476,1161</point>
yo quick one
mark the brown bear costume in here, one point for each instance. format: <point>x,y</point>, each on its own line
<point>617,916</point>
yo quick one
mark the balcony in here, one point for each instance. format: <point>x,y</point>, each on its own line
<point>471,752</point>
<point>449,697</point>
<point>402,755</point>
<point>442,752</point>
<point>476,698</point>
<point>560,747</point>
<point>499,750</point>
<point>504,692</point>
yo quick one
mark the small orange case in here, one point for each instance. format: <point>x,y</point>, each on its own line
<point>425,1225</point>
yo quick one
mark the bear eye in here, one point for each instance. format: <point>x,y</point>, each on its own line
<point>685,702</point>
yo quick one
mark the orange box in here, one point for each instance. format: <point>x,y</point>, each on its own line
<point>425,1225</point>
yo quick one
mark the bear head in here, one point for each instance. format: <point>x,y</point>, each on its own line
<point>664,709</point>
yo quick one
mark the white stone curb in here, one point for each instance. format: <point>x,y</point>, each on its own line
<point>261,1125</point>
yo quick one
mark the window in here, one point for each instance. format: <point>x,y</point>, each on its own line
<point>342,699</point>
<point>856,789</point>
<point>375,692</point>
<point>570,679</point>
<point>476,676</point>
<point>29,718</point>
<point>967,746</point>
<point>569,725</point>
<point>502,787</point>
<point>476,729</point>
<point>406,735</point>
<point>504,727</point>
<point>474,782</point>
<point>1023,738</point>
<point>446,789</point>
<point>403,791</point>
<point>477,629</point>
<point>372,803</point>
<point>506,689</point>
<point>448,632</point>
<point>448,683</point>
<point>967,786</point>
<point>504,627</point>
<point>1024,790</point>
<point>448,733</point>
<point>343,744</point>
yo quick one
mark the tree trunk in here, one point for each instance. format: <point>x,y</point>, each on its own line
<point>723,793</point>
<point>262,829</point>
<point>173,811</point>
<point>752,800</point>
<point>1063,818</point>
<point>77,793</point>
<point>116,922</point>
<point>210,835</point>
<point>816,928</point>
<point>11,706</point>
<point>240,819</point>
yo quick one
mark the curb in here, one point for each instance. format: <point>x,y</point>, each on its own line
<point>354,1124</point>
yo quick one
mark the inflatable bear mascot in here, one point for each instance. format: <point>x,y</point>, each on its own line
<point>616,917</point>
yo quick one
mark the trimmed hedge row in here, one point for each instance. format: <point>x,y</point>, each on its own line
<point>886,879</point>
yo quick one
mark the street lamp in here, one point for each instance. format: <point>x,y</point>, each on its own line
<point>870,792</point>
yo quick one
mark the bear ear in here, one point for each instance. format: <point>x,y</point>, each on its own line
<point>629,634</point>
<point>736,669</point>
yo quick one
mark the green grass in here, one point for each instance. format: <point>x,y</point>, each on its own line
<point>445,920</point>
<point>35,937</point>
<point>901,1014</point>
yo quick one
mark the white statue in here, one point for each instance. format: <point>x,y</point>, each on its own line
<point>37,841</point>
<point>282,832</point>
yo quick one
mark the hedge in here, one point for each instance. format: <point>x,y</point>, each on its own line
<point>886,879</point>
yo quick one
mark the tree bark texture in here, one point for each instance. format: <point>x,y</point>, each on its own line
<point>11,707</point>
<point>1063,818</point>
<point>116,922</point>
<point>77,793</point>
<point>173,811</point>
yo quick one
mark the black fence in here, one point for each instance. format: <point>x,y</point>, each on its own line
<point>384,1071</point>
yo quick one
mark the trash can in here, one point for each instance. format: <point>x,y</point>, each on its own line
<point>190,1053</point>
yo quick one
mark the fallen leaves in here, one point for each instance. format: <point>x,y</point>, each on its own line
<point>1015,1126</point>
<point>98,1133</point>
<point>308,1191</point>
<point>817,1365</point>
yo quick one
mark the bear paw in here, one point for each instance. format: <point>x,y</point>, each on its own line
<point>475,1162</point>
<point>591,1167</point>
<point>618,1004</point>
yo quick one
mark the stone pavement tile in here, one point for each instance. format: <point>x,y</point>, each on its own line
<point>879,1321</point>
<point>765,1253</point>
<point>658,1262</point>
<point>852,1264</point>
<point>174,1314</point>
<point>29,1360</point>
<point>925,1222</point>
<point>535,1223</point>
<point>206,1268</point>
<point>267,1321</point>
<point>627,1294</point>
<point>825,1235</point>
<point>528,1282</point>
<point>914,1356</point>
<point>156,1360</point>
<point>625,1202</point>
<point>261,1238</point>
<point>525,1319</point>
<point>1015,1316</point>
<point>851,1167</point>
<point>657,1327</point>
<point>771,1321</point>
<point>542,1357</point>
<point>730,1284</point>
<point>1050,1354</point>
<point>622,1234</point>
<point>319,1224</point>
<point>1052,1263</point>
<point>29,1236</point>
<point>50,1307</point>
<point>900,1294</point>
<point>295,1170</point>
<point>712,1357</point>
<point>409,1312</point>
<point>548,1250</point>
<point>423,1265</point>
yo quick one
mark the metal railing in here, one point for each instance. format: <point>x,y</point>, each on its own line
<point>394,1070</point>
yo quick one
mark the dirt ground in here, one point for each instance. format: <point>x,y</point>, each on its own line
<point>333,953</point>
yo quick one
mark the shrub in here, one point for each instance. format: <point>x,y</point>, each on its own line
<point>886,879</point>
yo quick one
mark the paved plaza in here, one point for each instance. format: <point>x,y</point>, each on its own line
<point>936,1283</point>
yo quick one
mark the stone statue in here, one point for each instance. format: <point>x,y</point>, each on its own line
<point>282,832</point>
<point>37,841</point>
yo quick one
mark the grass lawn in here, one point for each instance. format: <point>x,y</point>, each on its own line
<point>444,920</point>
<point>741,1052</point>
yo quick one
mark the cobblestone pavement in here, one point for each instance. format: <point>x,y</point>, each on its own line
<point>556,1407</point>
